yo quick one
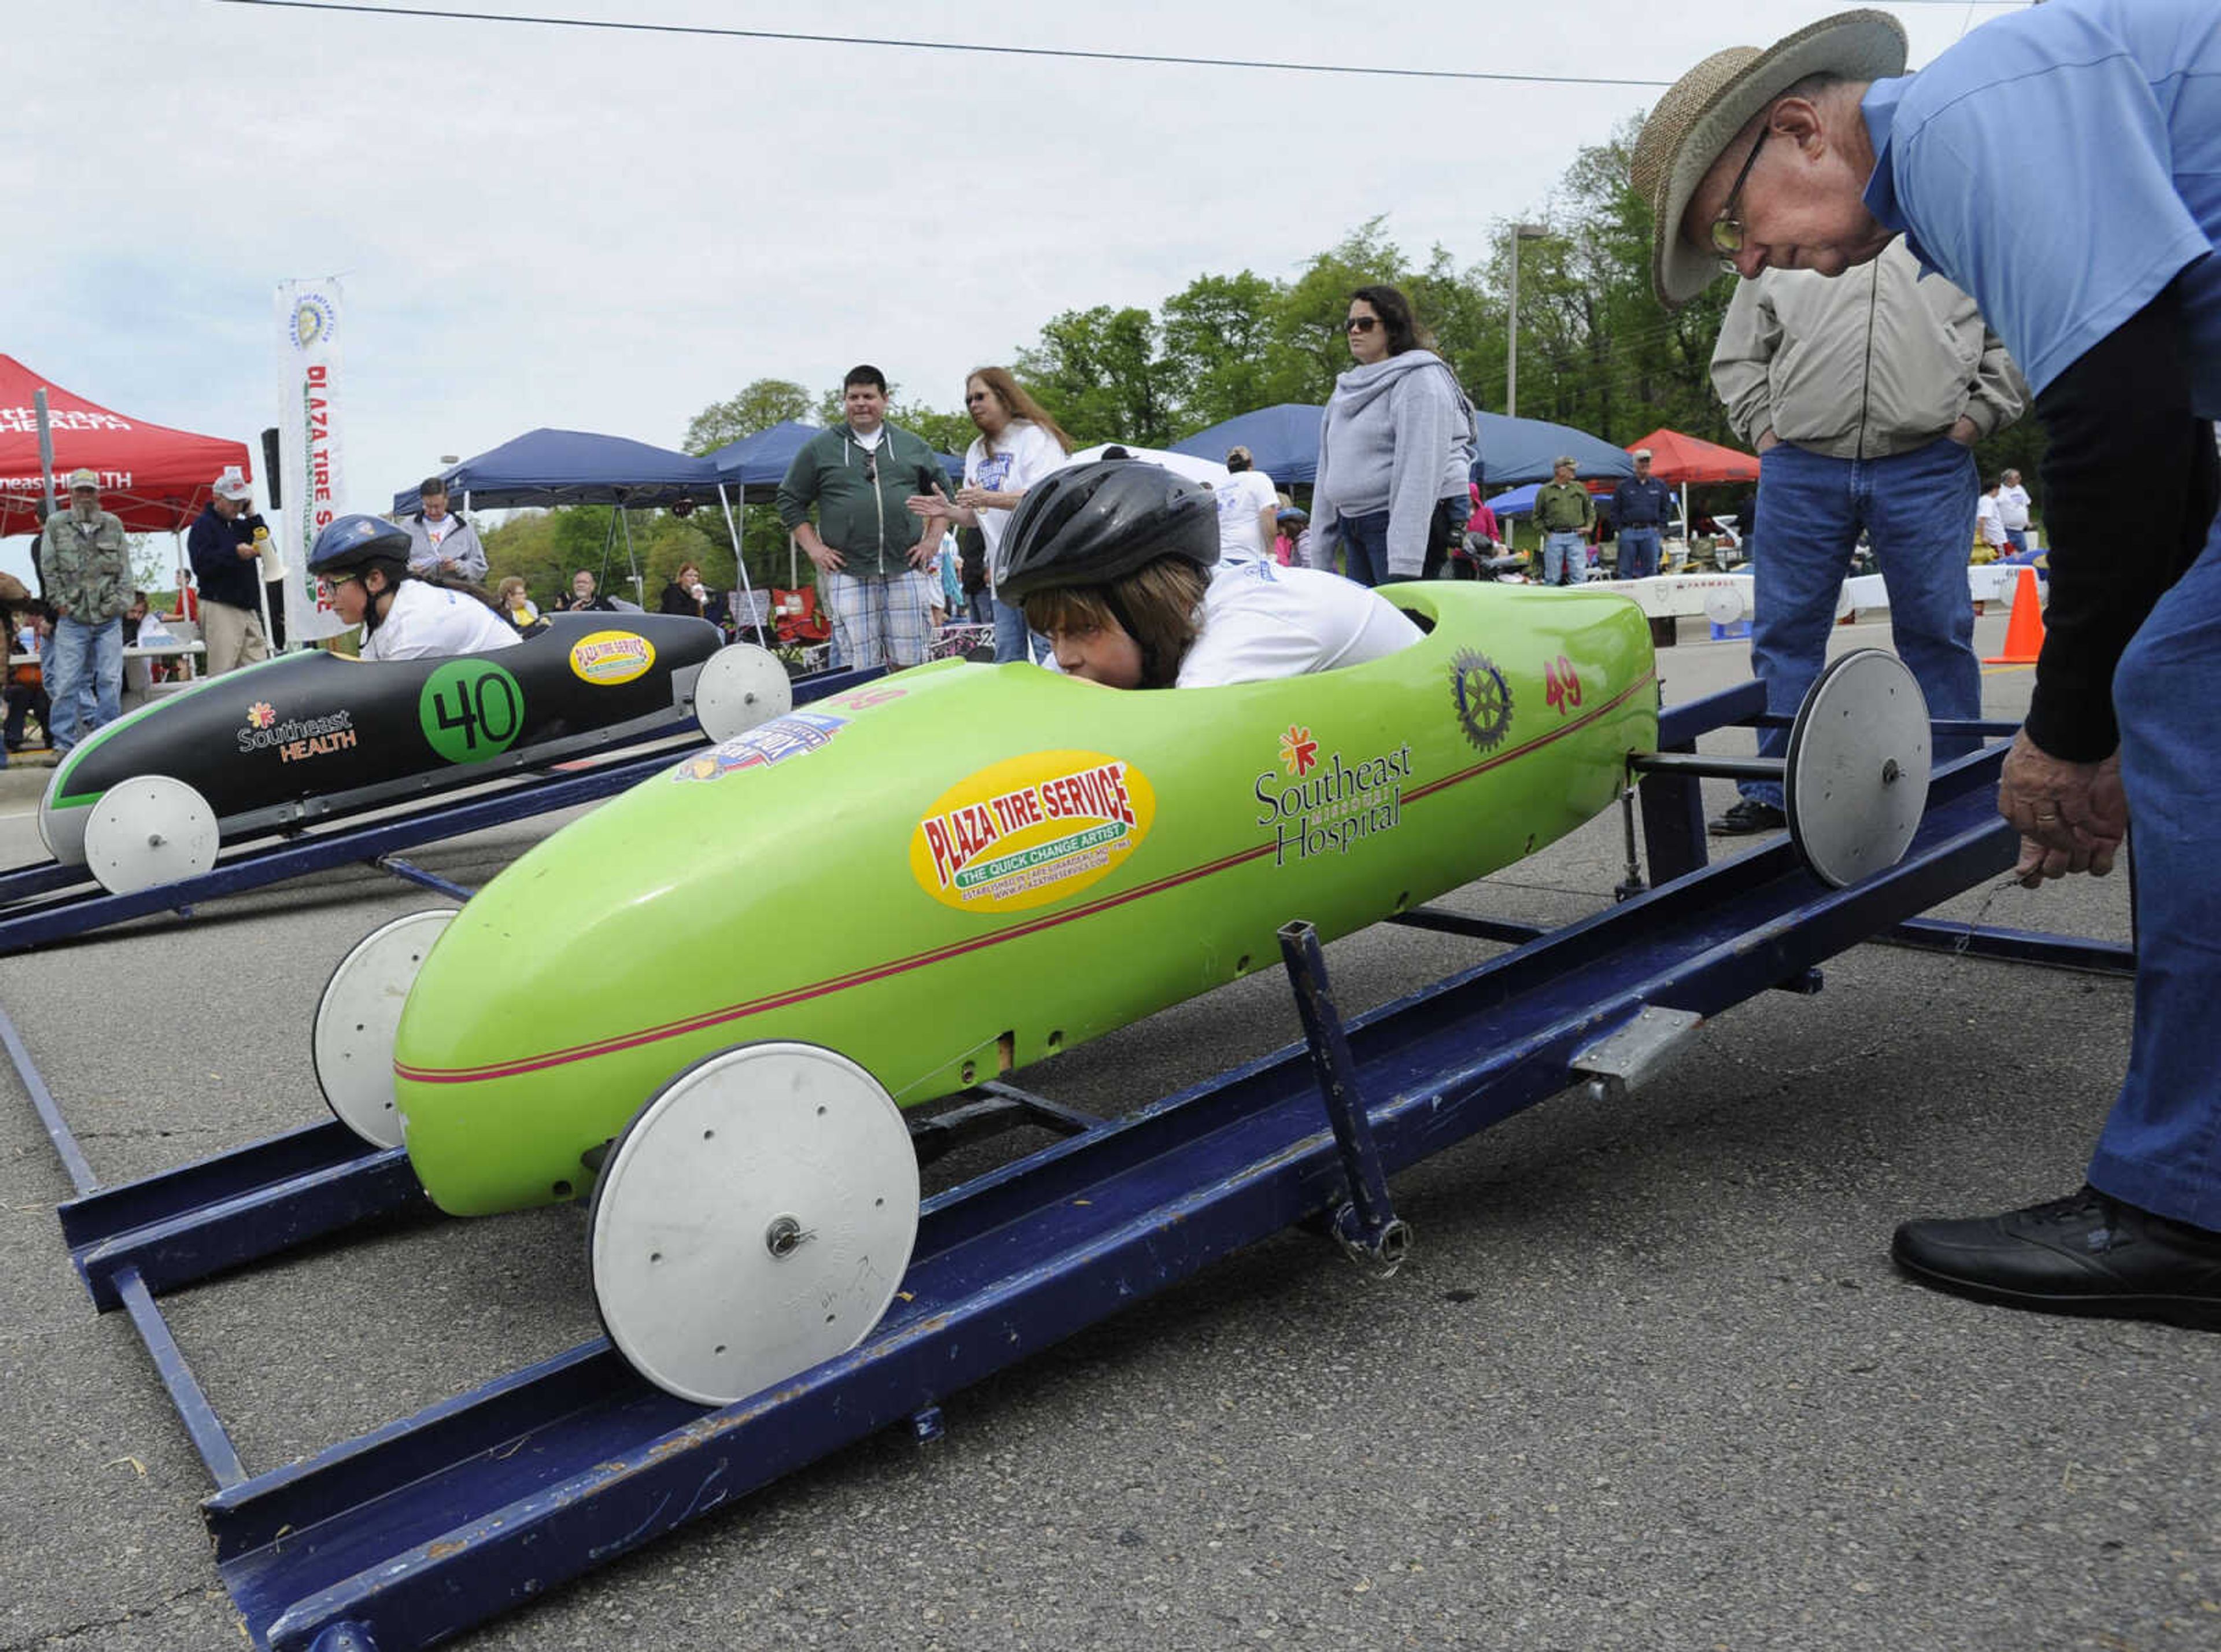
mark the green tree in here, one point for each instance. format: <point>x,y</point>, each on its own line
<point>1101,374</point>
<point>760,405</point>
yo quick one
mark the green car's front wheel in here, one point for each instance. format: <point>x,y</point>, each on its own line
<point>755,1218</point>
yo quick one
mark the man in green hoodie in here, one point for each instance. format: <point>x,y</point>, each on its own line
<point>871,552</point>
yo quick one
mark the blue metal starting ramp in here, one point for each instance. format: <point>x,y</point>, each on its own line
<point>427,1525</point>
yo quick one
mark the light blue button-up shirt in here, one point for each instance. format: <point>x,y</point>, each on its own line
<point>2064,164</point>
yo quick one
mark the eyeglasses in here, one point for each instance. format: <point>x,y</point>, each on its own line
<point>871,467</point>
<point>976,396</point>
<point>1727,228</point>
<point>1361,323</point>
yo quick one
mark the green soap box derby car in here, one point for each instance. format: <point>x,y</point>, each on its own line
<point>305,737</point>
<point>1004,862</point>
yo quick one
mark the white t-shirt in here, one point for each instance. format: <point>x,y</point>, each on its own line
<point>2013,505</point>
<point>1261,620</point>
<point>428,620</point>
<point>1239,498</point>
<point>1990,521</point>
<point>1023,453</point>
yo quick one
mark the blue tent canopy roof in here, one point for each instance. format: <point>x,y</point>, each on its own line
<point>555,467</point>
<point>1513,451</point>
<point>1283,442</point>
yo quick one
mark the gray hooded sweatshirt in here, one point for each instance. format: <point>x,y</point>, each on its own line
<point>1399,435</point>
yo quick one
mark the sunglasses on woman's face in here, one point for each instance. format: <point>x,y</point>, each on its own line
<point>1361,323</point>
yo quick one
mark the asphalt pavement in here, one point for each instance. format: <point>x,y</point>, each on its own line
<point>1648,1381</point>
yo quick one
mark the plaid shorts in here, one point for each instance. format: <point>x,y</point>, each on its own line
<point>878,621</point>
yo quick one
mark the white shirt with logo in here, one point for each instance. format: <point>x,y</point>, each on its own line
<point>2012,504</point>
<point>426,621</point>
<point>1261,620</point>
<point>1023,453</point>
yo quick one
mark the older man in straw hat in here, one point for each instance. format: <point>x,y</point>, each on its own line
<point>2061,166</point>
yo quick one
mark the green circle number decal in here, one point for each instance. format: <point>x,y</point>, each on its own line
<point>470,710</point>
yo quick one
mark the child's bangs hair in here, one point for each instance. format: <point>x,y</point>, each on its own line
<point>1069,608</point>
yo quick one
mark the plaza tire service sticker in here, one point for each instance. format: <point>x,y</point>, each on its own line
<point>1030,830</point>
<point>470,709</point>
<point>607,658</point>
<point>1483,699</point>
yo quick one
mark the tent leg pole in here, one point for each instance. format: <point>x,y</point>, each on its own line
<point>638,592</point>
<point>741,562</point>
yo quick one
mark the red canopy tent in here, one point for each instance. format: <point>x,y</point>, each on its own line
<point>152,477</point>
<point>1683,460</point>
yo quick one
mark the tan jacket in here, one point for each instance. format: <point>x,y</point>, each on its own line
<point>1873,362</point>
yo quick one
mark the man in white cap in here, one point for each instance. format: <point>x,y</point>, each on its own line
<point>228,568</point>
<point>2058,166</point>
<point>1641,507</point>
<point>86,565</point>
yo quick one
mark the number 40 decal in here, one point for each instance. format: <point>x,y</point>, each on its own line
<point>1562,685</point>
<point>470,709</point>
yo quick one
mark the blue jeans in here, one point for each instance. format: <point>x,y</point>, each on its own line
<point>84,677</point>
<point>2161,1149</point>
<point>1565,559</point>
<point>1919,509</point>
<point>1638,551</point>
<point>2017,538</point>
<point>1012,640</point>
<point>1365,547</point>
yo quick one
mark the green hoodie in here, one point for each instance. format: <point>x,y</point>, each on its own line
<point>858,493</point>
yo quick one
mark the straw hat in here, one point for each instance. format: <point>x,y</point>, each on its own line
<point>1706,107</point>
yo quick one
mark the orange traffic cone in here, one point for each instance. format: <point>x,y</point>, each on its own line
<point>2024,631</point>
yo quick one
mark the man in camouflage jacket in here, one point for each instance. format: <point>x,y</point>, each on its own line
<point>86,565</point>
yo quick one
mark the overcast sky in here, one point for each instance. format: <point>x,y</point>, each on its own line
<point>608,231</point>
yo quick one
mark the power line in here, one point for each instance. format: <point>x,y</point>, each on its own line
<point>622,26</point>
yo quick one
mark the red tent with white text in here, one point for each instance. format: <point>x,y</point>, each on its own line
<point>152,476</point>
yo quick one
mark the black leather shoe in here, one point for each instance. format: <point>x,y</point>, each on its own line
<point>1746,817</point>
<point>2087,1254</point>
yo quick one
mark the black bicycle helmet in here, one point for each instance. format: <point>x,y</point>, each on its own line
<point>353,543</point>
<point>1096,523</point>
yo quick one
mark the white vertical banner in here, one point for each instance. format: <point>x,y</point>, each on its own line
<point>309,443</point>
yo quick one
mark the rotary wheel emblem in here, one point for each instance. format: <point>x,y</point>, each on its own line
<point>1482,698</point>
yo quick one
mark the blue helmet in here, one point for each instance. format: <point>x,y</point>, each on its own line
<point>351,543</point>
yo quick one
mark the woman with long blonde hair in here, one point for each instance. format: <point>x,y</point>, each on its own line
<point>1018,444</point>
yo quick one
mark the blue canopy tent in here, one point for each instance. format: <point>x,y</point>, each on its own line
<point>1284,441</point>
<point>568,468</point>
<point>1513,451</point>
<point>756,465</point>
<point>1515,502</point>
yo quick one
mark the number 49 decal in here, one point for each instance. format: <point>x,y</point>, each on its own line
<point>470,710</point>
<point>1562,685</point>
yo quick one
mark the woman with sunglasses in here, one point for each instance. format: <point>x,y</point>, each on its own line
<point>1017,445</point>
<point>1395,449</point>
